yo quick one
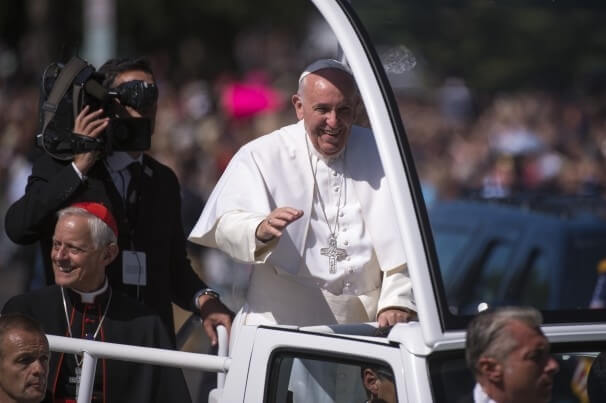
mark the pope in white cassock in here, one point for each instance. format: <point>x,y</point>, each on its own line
<point>308,205</point>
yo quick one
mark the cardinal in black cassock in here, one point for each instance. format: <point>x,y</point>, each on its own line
<point>83,305</point>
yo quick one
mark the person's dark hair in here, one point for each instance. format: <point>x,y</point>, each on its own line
<point>12,321</point>
<point>113,67</point>
<point>380,370</point>
<point>596,380</point>
<point>488,335</point>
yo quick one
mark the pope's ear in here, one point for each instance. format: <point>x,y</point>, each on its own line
<point>490,369</point>
<point>359,110</point>
<point>297,102</point>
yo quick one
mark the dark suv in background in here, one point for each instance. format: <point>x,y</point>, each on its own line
<point>539,253</point>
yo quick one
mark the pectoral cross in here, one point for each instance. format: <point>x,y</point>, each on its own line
<point>334,253</point>
<point>76,379</point>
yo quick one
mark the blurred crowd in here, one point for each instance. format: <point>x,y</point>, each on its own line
<point>518,143</point>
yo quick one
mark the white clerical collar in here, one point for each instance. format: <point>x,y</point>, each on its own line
<point>317,154</point>
<point>479,396</point>
<point>89,297</point>
<point>119,160</point>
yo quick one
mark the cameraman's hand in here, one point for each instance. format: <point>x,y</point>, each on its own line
<point>91,125</point>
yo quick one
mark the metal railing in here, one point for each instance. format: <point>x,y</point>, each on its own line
<point>93,350</point>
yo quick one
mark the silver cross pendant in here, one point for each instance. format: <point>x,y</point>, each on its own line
<point>334,253</point>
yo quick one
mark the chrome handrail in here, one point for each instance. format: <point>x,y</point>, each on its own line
<point>93,350</point>
<point>190,325</point>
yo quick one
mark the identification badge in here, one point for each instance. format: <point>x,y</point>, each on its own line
<point>134,269</point>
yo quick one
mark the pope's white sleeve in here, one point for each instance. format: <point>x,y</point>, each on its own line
<point>235,235</point>
<point>396,290</point>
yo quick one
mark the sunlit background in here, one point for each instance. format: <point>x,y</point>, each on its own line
<point>501,101</point>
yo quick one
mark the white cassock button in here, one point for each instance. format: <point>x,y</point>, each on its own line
<point>347,284</point>
<point>346,243</point>
<point>334,173</point>
<point>344,229</point>
<point>336,189</point>
<point>341,214</point>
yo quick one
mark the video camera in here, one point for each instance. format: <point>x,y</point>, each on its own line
<point>66,88</point>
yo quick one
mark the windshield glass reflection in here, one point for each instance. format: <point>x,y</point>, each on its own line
<point>505,112</point>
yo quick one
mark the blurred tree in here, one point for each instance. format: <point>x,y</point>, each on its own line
<point>209,27</point>
<point>495,44</point>
<point>488,43</point>
<point>40,31</point>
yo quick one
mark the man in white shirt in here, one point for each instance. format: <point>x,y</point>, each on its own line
<point>509,356</point>
<point>308,205</point>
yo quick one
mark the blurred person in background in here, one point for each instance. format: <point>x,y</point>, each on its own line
<point>21,265</point>
<point>143,194</point>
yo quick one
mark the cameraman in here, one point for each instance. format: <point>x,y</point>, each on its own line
<point>143,194</point>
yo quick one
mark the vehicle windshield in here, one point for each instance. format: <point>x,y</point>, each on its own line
<point>504,107</point>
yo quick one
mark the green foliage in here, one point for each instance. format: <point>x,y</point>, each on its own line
<point>489,43</point>
<point>495,43</point>
<point>150,26</point>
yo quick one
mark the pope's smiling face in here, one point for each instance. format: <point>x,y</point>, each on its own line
<point>327,102</point>
<point>76,262</point>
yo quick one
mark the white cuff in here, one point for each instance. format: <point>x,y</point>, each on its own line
<point>235,235</point>
<point>82,177</point>
<point>396,290</point>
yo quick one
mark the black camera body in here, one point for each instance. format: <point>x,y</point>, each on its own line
<point>64,90</point>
